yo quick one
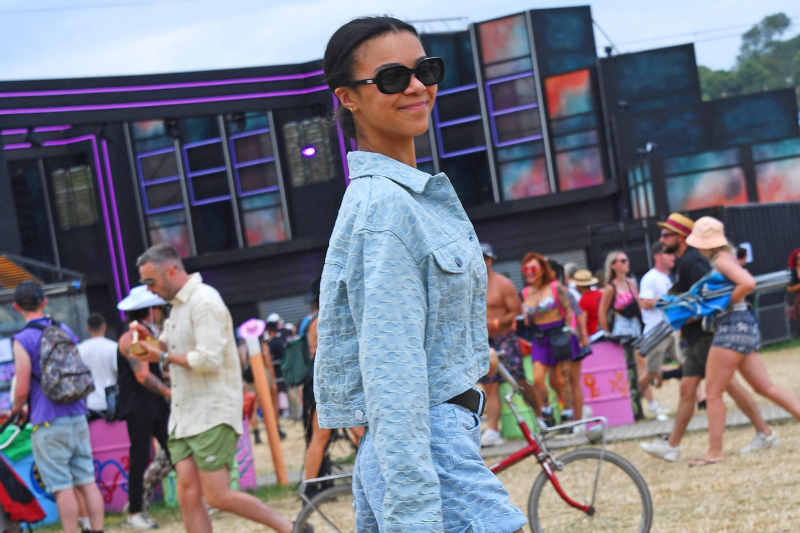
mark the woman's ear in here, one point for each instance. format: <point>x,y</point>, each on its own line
<point>345,96</point>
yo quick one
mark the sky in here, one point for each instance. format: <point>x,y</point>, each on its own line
<point>41,39</point>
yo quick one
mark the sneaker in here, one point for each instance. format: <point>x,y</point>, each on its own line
<point>141,521</point>
<point>762,442</point>
<point>491,437</point>
<point>656,408</point>
<point>661,449</point>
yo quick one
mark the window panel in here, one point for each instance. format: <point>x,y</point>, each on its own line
<point>163,195</point>
<point>702,161</point>
<point>466,136</point>
<point>159,165</point>
<point>422,147</point>
<point>503,39</point>
<point>170,228</point>
<point>520,151</point>
<point>456,105</point>
<point>523,179</point>
<point>706,189</point>
<point>776,150</point>
<point>214,227</point>
<point>577,123</point>
<point>512,93</point>
<point>517,125</point>
<point>569,94</point>
<point>253,147</point>
<point>779,181</point>
<point>204,157</point>
<point>507,68</point>
<point>575,140</point>
<point>263,219</point>
<point>257,177</point>
<point>73,191</point>
<point>579,168</point>
<point>210,187</point>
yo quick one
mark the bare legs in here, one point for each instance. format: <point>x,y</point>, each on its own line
<point>67,504</point>
<point>194,484</point>
<point>641,370</point>
<point>492,391</point>
<point>577,391</point>
<point>316,448</point>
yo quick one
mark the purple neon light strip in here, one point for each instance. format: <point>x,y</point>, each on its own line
<point>342,148</point>
<point>457,121</point>
<point>458,89</point>
<point>157,87</point>
<point>40,129</point>
<point>514,109</point>
<point>519,141</point>
<point>248,133</point>
<point>161,103</point>
<point>159,181</point>
<point>16,146</point>
<point>263,190</point>
<point>205,172</point>
<point>165,209</point>
<point>254,162</point>
<point>211,200</point>
<point>121,248</point>
<point>465,151</point>
<point>510,77</point>
<point>424,159</point>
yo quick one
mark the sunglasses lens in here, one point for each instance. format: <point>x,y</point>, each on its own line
<point>430,71</point>
<point>393,79</point>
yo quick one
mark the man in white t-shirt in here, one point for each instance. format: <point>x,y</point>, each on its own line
<point>655,284</point>
<point>100,355</point>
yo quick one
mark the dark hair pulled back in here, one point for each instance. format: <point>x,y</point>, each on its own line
<point>340,56</point>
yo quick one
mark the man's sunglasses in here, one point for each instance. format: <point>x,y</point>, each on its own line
<point>393,80</point>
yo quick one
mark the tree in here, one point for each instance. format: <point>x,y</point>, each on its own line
<point>764,62</point>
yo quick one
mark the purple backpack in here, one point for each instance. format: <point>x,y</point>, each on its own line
<point>64,377</point>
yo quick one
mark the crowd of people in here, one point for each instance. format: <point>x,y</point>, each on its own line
<point>403,324</point>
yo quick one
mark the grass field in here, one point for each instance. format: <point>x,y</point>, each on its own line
<point>752,493</point>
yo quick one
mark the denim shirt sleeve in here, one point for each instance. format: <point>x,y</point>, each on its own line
<point>391,323</point>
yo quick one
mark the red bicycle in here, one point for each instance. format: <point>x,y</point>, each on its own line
<point>593,489</point>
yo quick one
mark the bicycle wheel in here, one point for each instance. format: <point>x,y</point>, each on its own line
<point>622,501</point>
<point>330,511</point>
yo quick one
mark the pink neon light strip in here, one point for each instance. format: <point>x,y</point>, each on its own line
<point>120,247</point>
<point>161,103</point>
<point>161,86</point>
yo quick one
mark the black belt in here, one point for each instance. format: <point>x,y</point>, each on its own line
<point>471,399</point>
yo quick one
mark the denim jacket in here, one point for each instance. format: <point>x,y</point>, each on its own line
<point>402,323</point>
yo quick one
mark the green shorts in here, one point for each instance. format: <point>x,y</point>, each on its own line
<point>213,449</point>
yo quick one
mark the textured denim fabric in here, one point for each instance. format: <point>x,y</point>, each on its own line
<point>402,324</point>
<point>473,499</point>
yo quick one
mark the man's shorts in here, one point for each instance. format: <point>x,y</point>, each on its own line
<point>512,358</point>
<point>669,345</point>
<point>62,452</point>
<point>473,499</point>
<point>212,449</point>
<point>694,364</point>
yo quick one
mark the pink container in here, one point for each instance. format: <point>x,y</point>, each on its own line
<point>111,451</point>
<point>244,456</point>
<point>604,380</point>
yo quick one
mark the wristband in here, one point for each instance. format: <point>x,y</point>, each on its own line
<point>163,358</point>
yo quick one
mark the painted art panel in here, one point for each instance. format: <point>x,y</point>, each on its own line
<point>776,150</point>
<point>779,181</point>
<point>505,38</point>
<point>569,94</point>
<point>523,179</point>
<point>706,189</point>
<point>264,226</point>
<point>175,233</point>
<point>702,161</point>
<point>579,168</point>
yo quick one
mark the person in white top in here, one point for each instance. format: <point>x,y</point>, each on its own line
<point>655,284</point>
<point>100,355</point>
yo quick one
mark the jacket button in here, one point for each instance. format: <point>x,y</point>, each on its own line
<point>359,415</point>
<point>458,261</point>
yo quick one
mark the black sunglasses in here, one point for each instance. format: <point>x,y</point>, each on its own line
<point>393,80</point>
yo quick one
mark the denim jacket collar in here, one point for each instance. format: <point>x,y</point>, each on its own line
<point>363,164</point>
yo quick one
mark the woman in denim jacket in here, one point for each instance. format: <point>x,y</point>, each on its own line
<point>402,322</point>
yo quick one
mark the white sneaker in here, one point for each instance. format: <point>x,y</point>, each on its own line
<point>762,442</point>
<point>491,437</point>
<point>141,521</point>
<point>661,449</point>
<point>656,409</point>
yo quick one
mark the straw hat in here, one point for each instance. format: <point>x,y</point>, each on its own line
<point>708,232</point>
<point>678,223</point>
<point>584,278</point>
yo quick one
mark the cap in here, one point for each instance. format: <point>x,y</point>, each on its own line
<point>274,317</point>
<point>140,298</point>
<point>313,293</point>
<point>708,232</point>
<point>678,223</point>
<point>487,250</point>
<point>28,294</point>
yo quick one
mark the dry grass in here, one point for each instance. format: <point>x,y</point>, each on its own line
<point>751,493</point>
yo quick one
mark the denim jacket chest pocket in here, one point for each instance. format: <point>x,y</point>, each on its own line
<point>454,279</point>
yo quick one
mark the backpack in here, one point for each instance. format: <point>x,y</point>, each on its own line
<point>64,377</point>
<point>296,364</point>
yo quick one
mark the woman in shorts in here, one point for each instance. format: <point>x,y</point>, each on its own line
<point>736,339</point>
<point>402,333</point>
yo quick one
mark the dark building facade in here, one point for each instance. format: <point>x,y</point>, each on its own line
<point>240,170</point>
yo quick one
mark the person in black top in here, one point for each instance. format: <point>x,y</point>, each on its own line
<point>689,267</point>
<point>142,403</point>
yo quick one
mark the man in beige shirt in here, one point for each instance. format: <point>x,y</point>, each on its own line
<point>206,418</point>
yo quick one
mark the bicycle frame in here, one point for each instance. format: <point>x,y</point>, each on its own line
<point>537,448</point>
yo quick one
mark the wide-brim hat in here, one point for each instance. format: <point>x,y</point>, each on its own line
<point>140,298</point>
<point>678,223</point>
<point>252,328</point>
<point>708,232</point>
<point>584,278</point>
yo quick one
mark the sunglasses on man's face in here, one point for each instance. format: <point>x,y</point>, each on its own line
<point>665,234</point>
<point>393,80</point>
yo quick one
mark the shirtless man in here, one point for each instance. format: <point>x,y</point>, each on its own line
<point>502,305</point>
